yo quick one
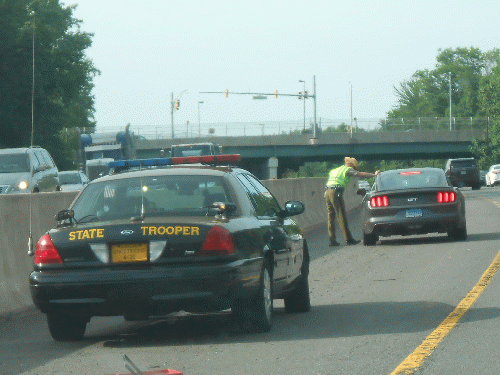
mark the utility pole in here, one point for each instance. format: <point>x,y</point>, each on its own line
<point>314,97</point>
<point>449,79</point>
<point>304,100</point>
<point>351,108</point>
<point>172,112</point>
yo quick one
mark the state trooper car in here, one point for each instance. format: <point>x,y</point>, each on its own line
<point>163,235</point>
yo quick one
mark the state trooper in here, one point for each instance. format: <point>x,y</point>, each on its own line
<point>338,179</point>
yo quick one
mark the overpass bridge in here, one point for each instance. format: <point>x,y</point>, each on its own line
<point>271,156</point>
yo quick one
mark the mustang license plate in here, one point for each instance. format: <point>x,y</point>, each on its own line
<point>130,252</point>
<point>416,212</point>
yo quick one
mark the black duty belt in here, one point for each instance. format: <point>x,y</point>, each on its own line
<point>334,187</point>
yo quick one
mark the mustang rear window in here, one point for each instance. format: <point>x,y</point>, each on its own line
<point>411,179</point>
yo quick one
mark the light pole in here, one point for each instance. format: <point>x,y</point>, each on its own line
<point>351,107</point>
<point>449,79</point>
<point>304,100</point>
<point>199,126</point>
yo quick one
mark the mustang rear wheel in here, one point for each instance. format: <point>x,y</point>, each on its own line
<point>66,328</point>
<point>256,314</point>
<point>458,234</point>
<point>369,239</point>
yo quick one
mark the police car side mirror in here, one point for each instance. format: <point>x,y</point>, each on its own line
<point>292,208</point>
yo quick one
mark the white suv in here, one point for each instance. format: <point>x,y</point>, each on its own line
<point>25,170</point>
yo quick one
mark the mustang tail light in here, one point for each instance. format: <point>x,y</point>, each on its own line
<point>46,252</point>
<point>380,201</point>
<point>217,242</point>
<point>446,196</point>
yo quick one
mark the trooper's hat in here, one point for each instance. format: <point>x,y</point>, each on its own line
<point>352,161</point>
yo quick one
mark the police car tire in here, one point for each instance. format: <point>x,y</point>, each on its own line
<point>299,301</point>
<point>256,315</point>
<point>66,328</point>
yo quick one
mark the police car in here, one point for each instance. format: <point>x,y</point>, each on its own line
<point>165,235</point>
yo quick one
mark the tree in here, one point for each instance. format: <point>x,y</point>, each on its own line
<point>427,94</point>
<point>488,152</point>
<point>42,36</point>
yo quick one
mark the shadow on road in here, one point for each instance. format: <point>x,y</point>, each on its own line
<point>324,321</point>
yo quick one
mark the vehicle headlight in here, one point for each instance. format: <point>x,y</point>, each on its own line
<point>22,185</point>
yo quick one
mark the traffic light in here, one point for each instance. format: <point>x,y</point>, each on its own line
<point>226,93</point>
<point>276,94</point>
<point>177,104</point>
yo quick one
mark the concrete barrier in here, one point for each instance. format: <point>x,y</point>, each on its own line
<point>16,265</point>
<point>311,192</point>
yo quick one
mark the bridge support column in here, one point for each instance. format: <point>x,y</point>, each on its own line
<point>272,168</point>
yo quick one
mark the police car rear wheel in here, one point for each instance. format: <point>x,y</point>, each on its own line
<point>256,315</point>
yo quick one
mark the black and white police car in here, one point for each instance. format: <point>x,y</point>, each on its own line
<point>171,234</point>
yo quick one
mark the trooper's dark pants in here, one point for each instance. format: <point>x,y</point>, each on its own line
<point>336,208</point>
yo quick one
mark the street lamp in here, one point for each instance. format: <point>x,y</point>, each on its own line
<point>351,107</point>
<point>449,78</point>
<point>304,100</point>
<point>199,127</point>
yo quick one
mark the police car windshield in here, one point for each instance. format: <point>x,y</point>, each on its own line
<point>152,196</point>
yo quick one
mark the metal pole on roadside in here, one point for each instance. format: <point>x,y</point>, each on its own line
<point>304,100</point>
<point>351,108</point>
<point>314,98</point>
<point>199,126</point>
<point>172,112</point>
<point>449,77</point>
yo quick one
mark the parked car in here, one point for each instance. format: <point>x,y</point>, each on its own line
<point>493,175</point>
<point>463,172</point>
<point>73,180</point>
<point>363,184</point>
<point>145,242</point>
<point>482,177</point>
<point>413,201</point>
<point>26,170</point>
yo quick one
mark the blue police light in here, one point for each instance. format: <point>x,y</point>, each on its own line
<point>121,165</point>
<point>139,163</point>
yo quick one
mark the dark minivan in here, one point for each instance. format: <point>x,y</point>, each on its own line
<point>463,172</point>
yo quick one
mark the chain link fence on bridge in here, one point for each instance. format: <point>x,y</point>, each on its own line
<point>262,128</point>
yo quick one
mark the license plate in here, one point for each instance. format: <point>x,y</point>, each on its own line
<point>463,172</point>
<point>126,253</point>
<point>417,212</point>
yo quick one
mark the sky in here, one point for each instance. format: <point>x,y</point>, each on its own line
<point>358,51</point>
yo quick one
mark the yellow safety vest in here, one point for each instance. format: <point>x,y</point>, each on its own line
<point>338,177</point>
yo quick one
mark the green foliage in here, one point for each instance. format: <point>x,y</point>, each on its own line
<point>42,36</point>
<point>427,93</point>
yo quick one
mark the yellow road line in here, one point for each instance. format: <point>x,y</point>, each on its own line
<point>416,359</point>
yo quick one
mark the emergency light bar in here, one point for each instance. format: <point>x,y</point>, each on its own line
<point>158,162</point>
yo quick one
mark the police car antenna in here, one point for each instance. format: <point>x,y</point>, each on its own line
<point>30,238</point>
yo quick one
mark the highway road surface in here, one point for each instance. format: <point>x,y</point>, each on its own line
<point>419,304</point>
